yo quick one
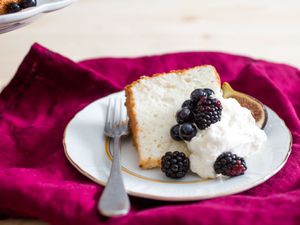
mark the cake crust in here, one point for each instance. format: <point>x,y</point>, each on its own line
<point>149,162</point>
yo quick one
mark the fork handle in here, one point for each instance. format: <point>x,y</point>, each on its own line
<point>114,200</point>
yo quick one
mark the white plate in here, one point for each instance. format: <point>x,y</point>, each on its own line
<point>88,150</point>
<point>12,21</point>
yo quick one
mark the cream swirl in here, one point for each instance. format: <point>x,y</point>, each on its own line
<point>236,132</point>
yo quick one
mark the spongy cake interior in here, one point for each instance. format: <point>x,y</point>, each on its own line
<point>156,101</point>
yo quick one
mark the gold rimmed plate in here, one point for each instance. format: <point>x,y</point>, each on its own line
<point>88,150</point>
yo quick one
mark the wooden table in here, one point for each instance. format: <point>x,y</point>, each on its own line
<point>94,28</point>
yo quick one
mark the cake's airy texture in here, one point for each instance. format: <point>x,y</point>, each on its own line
<point>4,3</point>
<point>236,132</point>
<point>152,103</point>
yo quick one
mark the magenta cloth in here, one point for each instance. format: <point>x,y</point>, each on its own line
<point>36,179</point>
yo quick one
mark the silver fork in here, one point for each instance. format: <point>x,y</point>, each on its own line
<point>114,200</point>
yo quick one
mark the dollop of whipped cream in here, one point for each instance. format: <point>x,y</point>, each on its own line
<point>236,132</point>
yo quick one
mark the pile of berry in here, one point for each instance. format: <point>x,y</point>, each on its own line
<point>23,4</point>
<point>201,110</point>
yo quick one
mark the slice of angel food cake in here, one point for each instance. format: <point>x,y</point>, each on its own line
<point>180,121</point>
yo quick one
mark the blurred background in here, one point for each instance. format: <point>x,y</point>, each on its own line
<point>95,28</point>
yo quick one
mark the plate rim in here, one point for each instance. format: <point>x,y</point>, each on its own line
<point>176,199</point>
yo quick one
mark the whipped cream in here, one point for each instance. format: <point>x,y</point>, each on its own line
<point>236,132</point>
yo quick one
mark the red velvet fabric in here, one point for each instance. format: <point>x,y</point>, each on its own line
<point>36,179</point>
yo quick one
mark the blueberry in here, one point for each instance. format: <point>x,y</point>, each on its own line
<point>188,103</point>
<point>184,115</point>
<point>174,132</point>
<point>197,94</point>
<point>208,91</point>
<point>187,131</point>
<point>13,7</point>
<point>27,3</point>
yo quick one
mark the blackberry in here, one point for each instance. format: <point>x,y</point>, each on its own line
<point>175,164</point>
<point>229,164</point>
<point>174,132</point>
<point>187,131</point>
<point>184,115</point>
<point>207,111</point>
